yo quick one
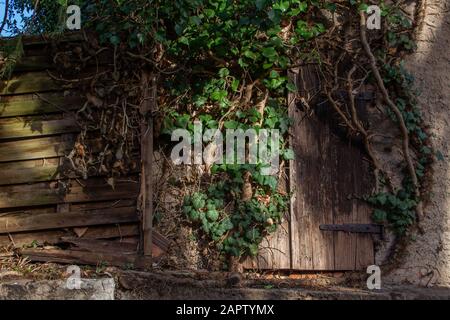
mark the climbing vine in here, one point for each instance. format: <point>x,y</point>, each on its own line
<point>225,63</point>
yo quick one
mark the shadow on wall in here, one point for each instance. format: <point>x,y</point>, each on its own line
<point>427,259</point>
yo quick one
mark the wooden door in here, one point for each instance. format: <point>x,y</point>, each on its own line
<point>327,177</point>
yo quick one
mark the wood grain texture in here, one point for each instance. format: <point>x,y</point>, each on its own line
<point>53,192</point>
<point>35,222</point>
<point>327,173</point>
<point>34,104</point>
<point>90,258</point>
<point>149,104</point>
<point>325,176</point>
<point>37,126</point>
<point>29,171</point>
<point>40,205</point>
<point>36,148</point>
<point>29,83</point>
<point>52,237</point>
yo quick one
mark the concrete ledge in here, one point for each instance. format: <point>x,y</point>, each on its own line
<point>89,289</point>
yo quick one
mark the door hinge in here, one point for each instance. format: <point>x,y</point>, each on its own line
<point>354,228</point>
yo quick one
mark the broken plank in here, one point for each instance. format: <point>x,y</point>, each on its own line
<point>19,240</point>
<point>112,231</point>
<point>94,245</point>
<point>88,258</point>
<point>104,204</point>
<point>52,237</point>
<point>160,241</point>
<point>21,128</point>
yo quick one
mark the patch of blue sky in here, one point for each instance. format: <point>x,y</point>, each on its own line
<point>8,31</point>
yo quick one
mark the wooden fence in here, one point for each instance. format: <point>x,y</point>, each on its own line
<point>38,205</point>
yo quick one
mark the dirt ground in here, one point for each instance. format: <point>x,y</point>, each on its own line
<point>427,259</point>
<point>133,285</point>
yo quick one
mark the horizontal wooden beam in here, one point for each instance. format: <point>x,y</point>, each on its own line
<point>53,237</point>
<point>43,147</point>
<point>47,221</point>
<point>94,189</point>
<point>89,258</point>
<point>38,148</point>
<point>32,104</point>
<point>12,128</point>
<point>31,82</point>
<point>45,62</point>
<point>29,171</point>
<point>40,170</point>
<point>95,245</point>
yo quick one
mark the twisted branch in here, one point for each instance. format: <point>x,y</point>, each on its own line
<point>397,112</point>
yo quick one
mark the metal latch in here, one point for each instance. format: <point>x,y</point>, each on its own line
<point>354,228</point>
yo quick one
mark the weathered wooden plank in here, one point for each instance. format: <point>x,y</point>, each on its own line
<point>311,182</point>
<point>274,251</point>
<point>53,237</point>
<point>45,62</point>
<point>99,190</point>
<point>149,83</point>
<point>321,212</point>
<point>29,171</point>
<point>342,179</point>
<point>159,243</point>
<point>18,240</point>
<point>89,258</point>
<point>102,245</point>
<point>30,82</point>
<point>365,254</point>
<point>313,203</point>
<point>32,104</point>
<point>34,63</point>
<point>111,231</point>
<point>20,223</point>
<point>53,192</point>
<point>40,147</point>
<point>32,171</point>
<point>11,128</point>
<point>36,148</point>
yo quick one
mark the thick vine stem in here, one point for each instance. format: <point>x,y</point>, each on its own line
<point>419,17</point>
<point>362,130</point>
<point>397,112</point>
